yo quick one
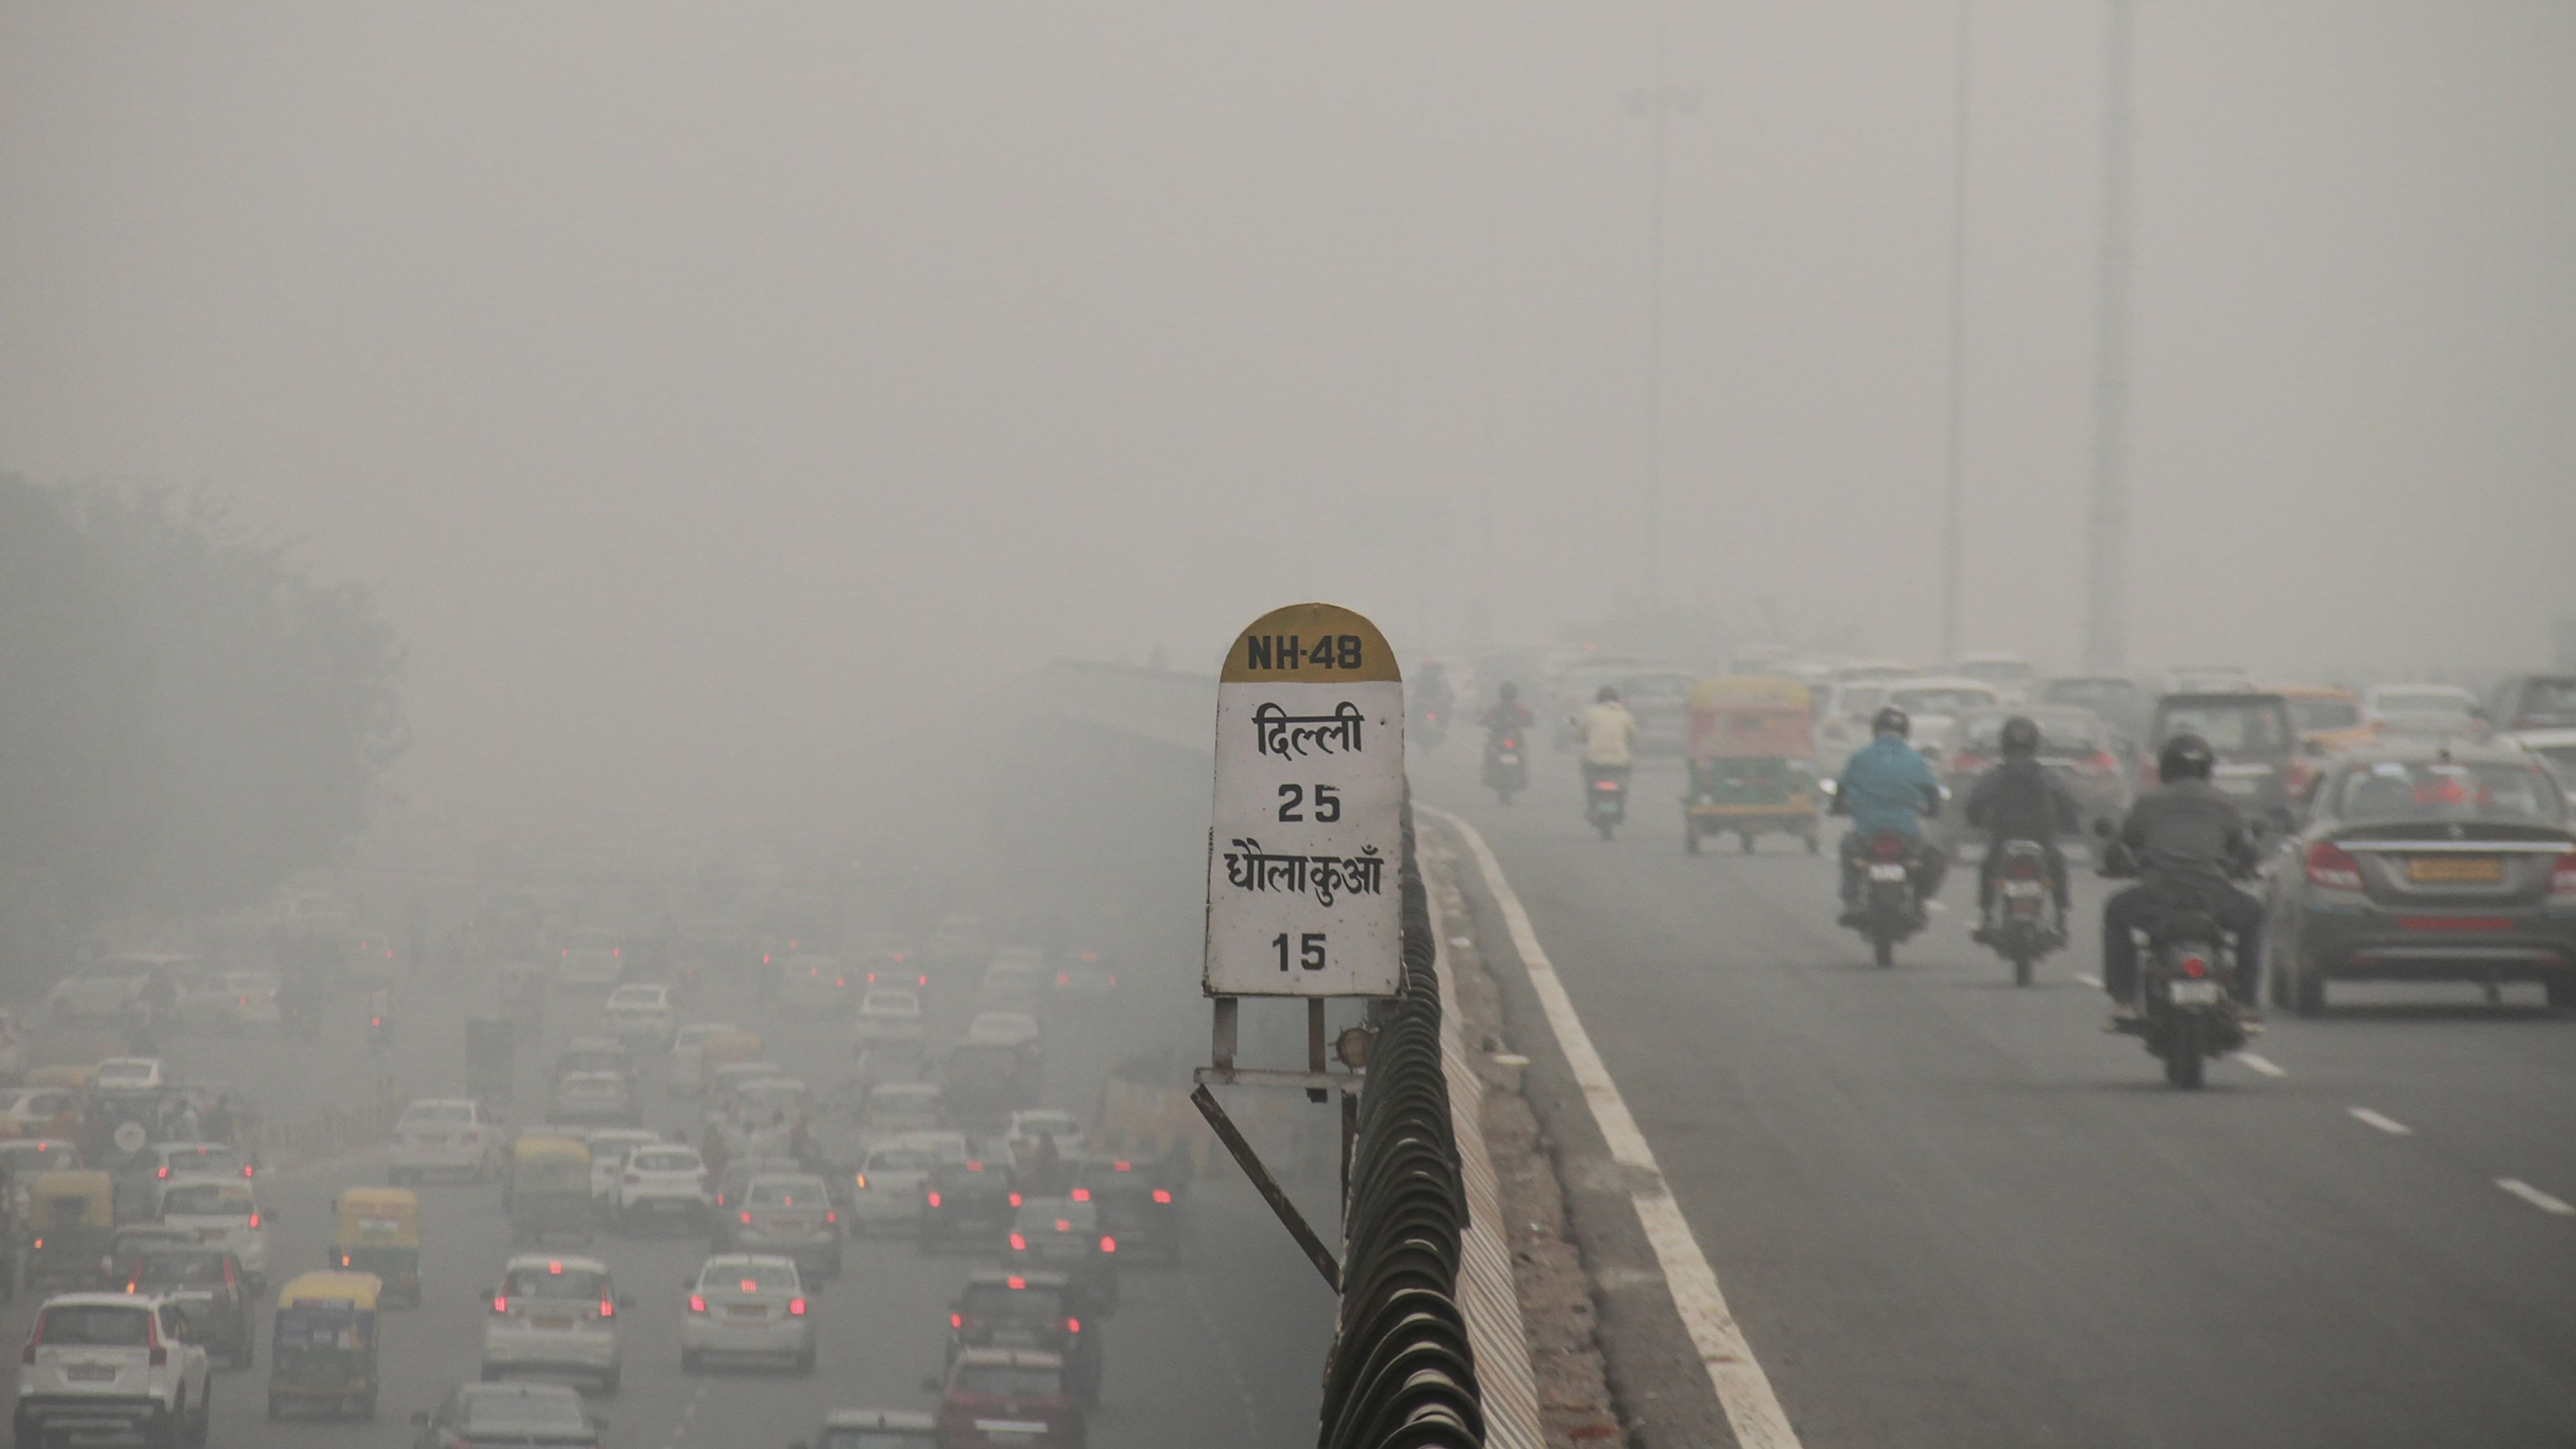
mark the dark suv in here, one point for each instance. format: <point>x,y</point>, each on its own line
<point>1138,1204</point>
<point>974,1200</point>
<point>2251,733</point>
<point>1046,1311</point>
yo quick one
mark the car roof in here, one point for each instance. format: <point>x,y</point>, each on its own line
<point>879,1419</point>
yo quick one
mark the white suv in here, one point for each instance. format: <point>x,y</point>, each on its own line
<point>103,988</point>
<point>217,1210</point>
<point>661,1180</point>
<point>112,1363</point>
<point>640,1012</point>
<point>554,1316</point>
<point>442,1135</point>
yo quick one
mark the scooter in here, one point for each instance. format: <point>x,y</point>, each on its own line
<point>2019,924</point>
<point>1605,799</point>
<point>1506,771</point>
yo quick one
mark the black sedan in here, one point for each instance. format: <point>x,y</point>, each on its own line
<point>2427,865</point>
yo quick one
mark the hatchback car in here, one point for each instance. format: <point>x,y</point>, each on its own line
<point>129,1074</point>
<point>2075,747</point>
<point>2424,711</point>
<point>1008,1398</point>
<point>746,1306</point>
<point>971,1200</point>
<point>661,1182</point>
<point>1086,978</point>
<point>1003,1308</point>
<point>2534,702</point>
<point>608,1147</point>
<point>791,1214</point>
<point>210,1289</point>
<point>1064,1236</point>
<point>1139,1205</point>
<point>442,1137</point>
<point>887,1014</point>
<point>510,1414</point>
<point>554,1317</point>
<point>640,1014</point>
<point>886,1190</point>
<point>103,988</point>
<point>222,1212</point>
<point>1027,1129</point>
<point>2442,865</point>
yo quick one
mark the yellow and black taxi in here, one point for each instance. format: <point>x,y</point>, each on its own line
<point>2435,864</point>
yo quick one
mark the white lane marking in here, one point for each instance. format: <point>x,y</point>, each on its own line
<point>2389,1125</point>
<point>1743,1389</point>
<point>1225,1356</point>
<point>2093,981</point>
<point>2535,1197</point>
<point>2265,1065</point>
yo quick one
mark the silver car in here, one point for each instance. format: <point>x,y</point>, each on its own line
<point>888,1186</point>
<point>554,1317</point>
<point>746,1305</point>
<point>791,1213</point>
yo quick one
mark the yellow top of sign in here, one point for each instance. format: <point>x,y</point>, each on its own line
<point>1310,644</point>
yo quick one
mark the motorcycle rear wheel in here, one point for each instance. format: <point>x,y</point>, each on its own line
<point>2021,970</point>
<point>1882,951</point>
<point>2183,1056</point>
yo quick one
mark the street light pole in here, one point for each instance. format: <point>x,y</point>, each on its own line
<point>1954,488</point>
<point>2106,633</point>
<point>1658,104</point>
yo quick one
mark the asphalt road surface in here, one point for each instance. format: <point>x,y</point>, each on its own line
<point>1951,1212</point>
<point>1227,1348</point>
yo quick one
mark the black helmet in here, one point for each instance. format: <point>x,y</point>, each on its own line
<point>2185,757</point>
<point>1891,721</point>
<point>1606,695</point>
<point>2021,735</point>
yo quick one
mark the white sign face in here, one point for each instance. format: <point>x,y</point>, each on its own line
<point>1309,815</point>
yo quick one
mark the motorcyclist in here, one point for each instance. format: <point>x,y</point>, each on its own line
<point>1887,787</point>
<point>2022,799</point>
<point>1431,689</point>
<point>1609,738</point>
<point>380,1014</point>
<point>2189,845</point>
<point>1506,715</point>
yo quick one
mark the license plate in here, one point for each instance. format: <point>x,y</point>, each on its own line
<point>2018,888</point>
<point>2194,993</point>
<point>1014,1338</point>
<point>2456,869</point>
<point>91,1373</point>
<point>1887,872</point>
<point>1507,759</point>
<point>747,1310</point>
<point>557,1325</point>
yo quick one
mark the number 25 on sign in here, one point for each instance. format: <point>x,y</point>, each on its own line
<point>1308,820</point>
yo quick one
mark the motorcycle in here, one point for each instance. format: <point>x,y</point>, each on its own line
<point>2187,1016</point>
<point>1431,727</point>
<point>1889,910</point>
<point>1605,799</point>
<point>380,1031</point>
<point>1506,771</point>
<point>2019,924</point>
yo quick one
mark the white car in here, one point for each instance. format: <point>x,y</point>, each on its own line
<point>640,1012</point>
<point>887,1015</point>
<point>608,1148</point>
<point>129,1074</point>
<point>249,999</point>
<point>1002,1028</point>
<point>115,1363</point>
<point>1027,1128</point>
<point>661,1181</point>
<point>554,1316</point>
<point>104,988</point>
<point>590,957</point>
<point>687,1061</point>
<point>32,1108</point>
<point>808,980</point>
<point>888,1186</point>
<point>438,1136</point>
<point>1016,981</point>
<point>221,1210</point>
<point>747,1305</point>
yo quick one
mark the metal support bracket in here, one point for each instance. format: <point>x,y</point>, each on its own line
<point>1268,1187</point>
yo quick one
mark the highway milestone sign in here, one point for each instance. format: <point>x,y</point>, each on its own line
<point>1309,818</point>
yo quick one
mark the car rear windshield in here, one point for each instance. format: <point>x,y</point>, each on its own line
<point>1005,1381</point>
<point>993,1300</point>
<point>2442,791</point>
<point>221,1160</point>
<point>1941,701</point>
<point>210,1199</point>
<point>188,1270</point>
<point>1865,700</point>
<point>2063,733</point>
<point>505,1410</point>
<point>902,1159</point>
<point>636,996</point>
<point>598,1059</point>
<point>2423,701</point>
<point>586,1285</point>
<point>901,1002</point>
<point>747,1278</point>
<point>2246,727</point>
<point>788,1192</point>
<point>94,1326</point>
<point>667,1160</point>
<point>2315,716</point>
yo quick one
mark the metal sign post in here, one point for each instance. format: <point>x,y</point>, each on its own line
<point>1303,853</point>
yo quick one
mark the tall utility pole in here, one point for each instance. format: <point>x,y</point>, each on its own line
<point>1658,104</point>
<point>2106,625</point>
<point>1951,564</point>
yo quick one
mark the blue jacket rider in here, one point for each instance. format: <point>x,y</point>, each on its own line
<point>1887,786</point>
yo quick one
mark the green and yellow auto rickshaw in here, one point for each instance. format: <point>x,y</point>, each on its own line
<point>323,1357</point>
<point>71,1229</point>
<point>377,1230</point>
<point>550,1189</point>
<point>1752,761</point>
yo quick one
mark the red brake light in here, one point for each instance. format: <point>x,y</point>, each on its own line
<point>1121,1165</point>
<point>746,1217</point>
<point>2101,761</point>
<point>162,1172</point>
<point>1073,1325</point>
<point>697,1304</point>
<point>554,1265</point>
<point>1064,978</point>
<point>1108,1244</point>
<point>1082,1194</point>
<point>2332,866</point>
<point>831,1217</point>
<point>750,1285</point>
<point>924,981</point>
<point>1019,1244</point>
<point>607,1308</point>
<point>934,1199</point>
<point>957,1320</point>
<point>795,1307</point>
<point>1064,1225</point>
<point>2194,967</point>
<point>1015,1284</point>
<point>254,1220</point>
<point>2562,877</point>
<point>974,1165</point>
<point>500,1303</point>
<point>247,1169</point>
<point>1162,1194</point>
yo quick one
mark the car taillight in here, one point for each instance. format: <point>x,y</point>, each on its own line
<point>344,1260</point>
<point>1019,1244</point>
<point>161,1172</point>
<point>831,1217</point>
<point>2194,967</point>
<point>697,1304</point>
<point>254,1220</point>
<point>2562,877</point>
<point>2332,866</point>
<point>1964,761</point>
<point>607,1308</point>
<point>795,1307</point>
<point>957,1320</point>
<point>1108,1244</point>
<point>934,1199</point>
<point>746,1215</point>
<point>1015,1199</point>
<point>248,1170</point>
<point>1605,784</point>
<point>1082,1194</point>
<point>500,1303</point>
<point>1064,978</point>
<point>1073,1325</point>
<point>924,981</point>
<point>1064,1225</point>
<point>1162,1194</point>
<point>860,1182</point>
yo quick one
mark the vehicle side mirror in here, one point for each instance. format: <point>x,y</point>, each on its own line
<point>930,1383</point>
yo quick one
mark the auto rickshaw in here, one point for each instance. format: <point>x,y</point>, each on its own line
<point>71,1227</point>
<point>725,1049</point>
<point>323,1355</point>
<point>550,1189</point>
<point>1752,770</point>
<point>377,1230</point>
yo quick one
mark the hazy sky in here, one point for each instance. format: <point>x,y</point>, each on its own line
<point>699,385</point>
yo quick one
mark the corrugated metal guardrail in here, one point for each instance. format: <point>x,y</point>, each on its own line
<point>1402,1375</point>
